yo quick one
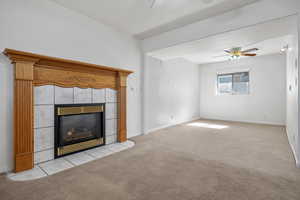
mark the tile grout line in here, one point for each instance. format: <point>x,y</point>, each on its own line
<point>53,95</point>
<point>43,104</point>
<point>45,161</point>
<point>69,162</point>
<point>85,152</point>
<point>43,170</point>
<point>44,150</point>
<point>74,165</point>
<point>95,158</point>
<point>44,127</point>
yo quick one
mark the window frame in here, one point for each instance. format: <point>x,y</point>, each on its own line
<point>232,83</point>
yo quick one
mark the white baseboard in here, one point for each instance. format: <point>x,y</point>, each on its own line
<point>295,156</point>
<point>293,150</point>
<point>169,125</point>
<point>134,135</point>
<point>245,121</point>
<point>196,118</point>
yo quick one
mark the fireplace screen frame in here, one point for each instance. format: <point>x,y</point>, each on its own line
<point>79,109</point>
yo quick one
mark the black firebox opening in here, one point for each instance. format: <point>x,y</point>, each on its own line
<point>78,127</point>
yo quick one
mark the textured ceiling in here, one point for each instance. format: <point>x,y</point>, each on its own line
<point>136,17</point>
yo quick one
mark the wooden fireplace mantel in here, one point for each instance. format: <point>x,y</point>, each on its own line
<point>37,70</point>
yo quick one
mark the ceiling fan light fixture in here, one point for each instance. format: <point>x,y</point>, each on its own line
<point>234,57</point>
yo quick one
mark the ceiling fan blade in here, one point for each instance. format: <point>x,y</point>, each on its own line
<point>227,51</point>
<point>249,54</point>
<point>250,50</point>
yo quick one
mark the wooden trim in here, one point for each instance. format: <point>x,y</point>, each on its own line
<point>52,61</point>
<point>71,78</point>
<point>122,92</point>
<point>23,125</point>
<point>37,70</point>
<point>24,70</point>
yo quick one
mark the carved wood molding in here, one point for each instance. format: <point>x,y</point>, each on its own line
<point>67,78</point>
<point>37,70</point>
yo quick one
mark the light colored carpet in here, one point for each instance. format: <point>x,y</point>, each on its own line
<point>242,161</point>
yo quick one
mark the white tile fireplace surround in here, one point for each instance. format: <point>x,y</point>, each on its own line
<point>45,97</point>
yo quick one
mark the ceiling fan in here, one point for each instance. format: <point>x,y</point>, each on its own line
<point>237,52</point>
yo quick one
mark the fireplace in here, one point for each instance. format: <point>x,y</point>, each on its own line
<point>38,70</point>
<point>78,127</point>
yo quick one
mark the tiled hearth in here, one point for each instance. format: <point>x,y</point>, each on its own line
<point>54,166</point>
<point>45,97</point>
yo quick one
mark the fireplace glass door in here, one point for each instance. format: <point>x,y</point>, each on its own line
<point>78,127</point>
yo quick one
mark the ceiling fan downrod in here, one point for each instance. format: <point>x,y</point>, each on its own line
<point>152,3</point>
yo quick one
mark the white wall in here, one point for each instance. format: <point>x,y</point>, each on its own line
<point>266,101</point>
<point>297,147</point>
<point>171,93</point>
<point>292,108</point>
<point>46,28</point>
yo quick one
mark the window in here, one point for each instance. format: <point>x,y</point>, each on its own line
<point>233,83</point>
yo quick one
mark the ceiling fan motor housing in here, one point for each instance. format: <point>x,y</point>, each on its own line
<point>236,51</point>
